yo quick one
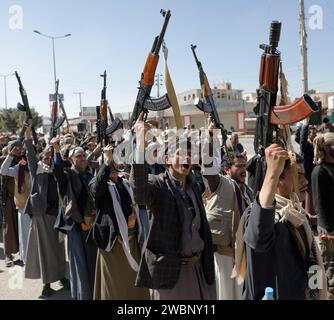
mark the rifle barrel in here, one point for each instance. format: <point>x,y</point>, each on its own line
<point>167,16</point>
<point>193,48</point>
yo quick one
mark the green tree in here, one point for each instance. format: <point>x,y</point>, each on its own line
<point>12,120</point>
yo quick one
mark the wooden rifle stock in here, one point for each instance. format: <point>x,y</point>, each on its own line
<point>269,71</point>
<point>150,69</point>
<point>144,102</point>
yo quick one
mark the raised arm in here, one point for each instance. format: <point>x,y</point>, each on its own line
<point>59,167</point>
<point>31,152</point>
<point>142,183</point>
<point>99,184</point>
<point>211,152</point>
<point>7,170</point>
<point>259,233</point>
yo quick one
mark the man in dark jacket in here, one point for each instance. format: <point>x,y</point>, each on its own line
<point>178,260</point>
<point>323,191</point>
<point>280,247</point>
<point>78,207</point>
<point>118,233</point>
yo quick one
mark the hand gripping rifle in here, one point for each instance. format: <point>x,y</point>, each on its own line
<point>208,106</point>
<point>105,108</point>
<point>56,120</point>
<point>25,108</point>
<point>103,130</point>
<point>144,102</point>
<point>269,116</point>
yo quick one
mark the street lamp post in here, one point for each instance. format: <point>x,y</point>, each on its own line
<point>80,94</point>
<point>53,49</point>
<point>5,76</point>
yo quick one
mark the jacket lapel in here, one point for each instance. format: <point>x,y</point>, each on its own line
<point>175,195</point>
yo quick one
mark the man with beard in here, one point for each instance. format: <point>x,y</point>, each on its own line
<point>279,245</point>
<point>118,233</point>
<point>45,258</point>
<point>78,213</point>
<point>20,173</point>
<point>223,214</point>
<point>177,263</point>
<point>234,165</point>
<point>323,191</point>
<point>10,224</point>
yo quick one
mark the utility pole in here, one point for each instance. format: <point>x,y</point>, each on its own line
<point>303,46</point>
<point>158,83</point>
<point>5,86</point>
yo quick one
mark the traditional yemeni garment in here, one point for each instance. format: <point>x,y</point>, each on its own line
<point>293,212</point>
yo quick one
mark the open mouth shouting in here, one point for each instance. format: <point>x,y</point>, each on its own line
<point>186,166</point>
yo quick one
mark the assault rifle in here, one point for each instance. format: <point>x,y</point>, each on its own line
<point>56,120</point>
<point>208,106</point>
<point>269,116</point>
<point>24,107</point>
<point>144,102</point>
<point>103,130</point>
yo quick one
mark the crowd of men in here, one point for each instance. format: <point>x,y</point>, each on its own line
<point>171,229</point>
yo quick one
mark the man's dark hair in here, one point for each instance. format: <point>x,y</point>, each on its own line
<point>228,158</point>
<point>326,120</point>
<point>287,165</point>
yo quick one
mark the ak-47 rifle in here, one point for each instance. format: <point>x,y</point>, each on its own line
<point>209,105</point>
<point>103,114</point>
<point>269,116</point>
<point>116,123</point>
<point>56,120</point>
<point>144,102</point>
<point>103,130</point>
<point>25,108</point>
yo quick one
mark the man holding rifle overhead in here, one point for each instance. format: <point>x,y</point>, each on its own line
<point>279,245</point>
<point>177,261</point>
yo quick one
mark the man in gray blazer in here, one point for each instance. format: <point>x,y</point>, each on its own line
<point>177,262</point>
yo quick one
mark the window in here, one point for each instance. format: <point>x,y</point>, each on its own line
<point>185,98</point>
<point>194,96</point>
<point>189,96</point>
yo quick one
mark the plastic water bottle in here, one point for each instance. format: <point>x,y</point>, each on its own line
<point>268,294</point>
